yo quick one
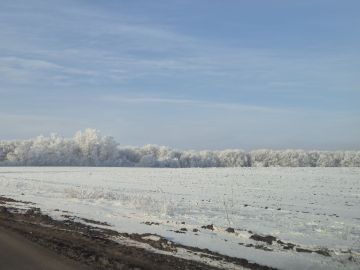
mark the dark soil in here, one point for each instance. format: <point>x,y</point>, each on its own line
<point>267,238</point>
<point>95,248</point>
<point>208,227</point>
<point>230,230</point>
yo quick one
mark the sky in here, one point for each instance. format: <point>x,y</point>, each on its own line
<point>202,74</point>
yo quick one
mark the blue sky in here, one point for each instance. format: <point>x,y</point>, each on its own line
<point>187,74</point>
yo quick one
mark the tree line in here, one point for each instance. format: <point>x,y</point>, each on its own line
<point>90,148</point>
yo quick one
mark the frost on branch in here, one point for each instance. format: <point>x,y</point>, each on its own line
<point>90,148</point>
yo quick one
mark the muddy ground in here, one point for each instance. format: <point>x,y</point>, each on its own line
<point>95,248</point>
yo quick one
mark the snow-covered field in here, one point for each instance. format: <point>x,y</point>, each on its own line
<point>312,208</point>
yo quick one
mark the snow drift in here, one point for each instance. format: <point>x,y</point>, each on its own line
<point>90,148</point>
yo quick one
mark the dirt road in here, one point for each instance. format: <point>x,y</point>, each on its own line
<point>17,252</point>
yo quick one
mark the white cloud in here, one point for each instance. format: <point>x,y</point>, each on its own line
<point>189,102</point>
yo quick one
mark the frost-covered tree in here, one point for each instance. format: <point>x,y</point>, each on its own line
<point>90,148</point>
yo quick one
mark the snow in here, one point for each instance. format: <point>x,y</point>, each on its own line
<point>151,237</point>
<point>181,253</point>
<point>314,208</point>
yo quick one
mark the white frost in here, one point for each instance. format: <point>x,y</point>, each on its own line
<point>90,148</point>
